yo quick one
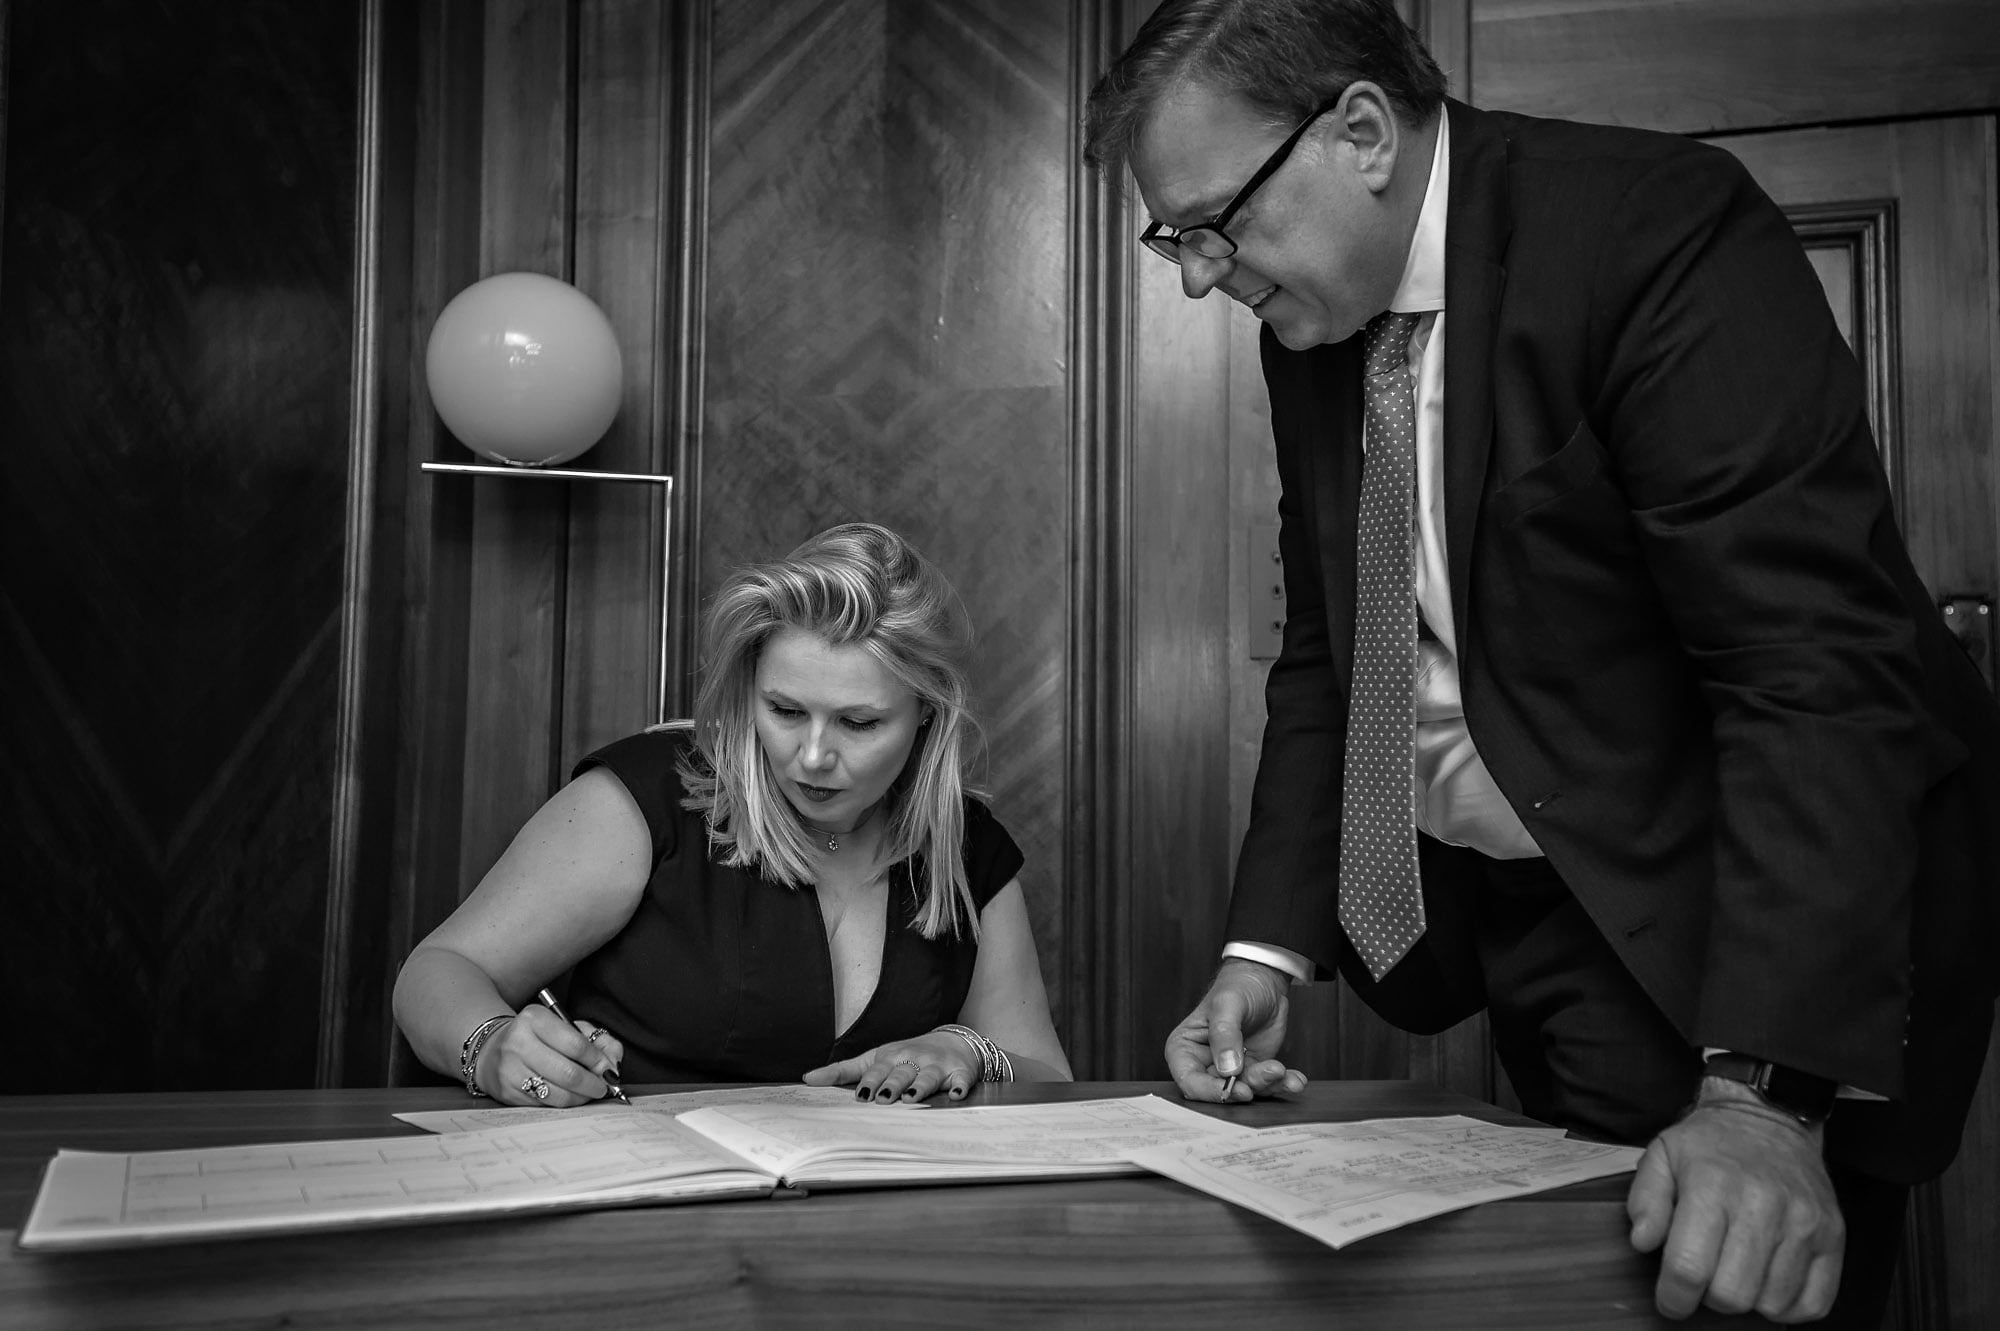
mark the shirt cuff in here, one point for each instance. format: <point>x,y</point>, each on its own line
<point>1277,958</point>
<point>1845,1092</point>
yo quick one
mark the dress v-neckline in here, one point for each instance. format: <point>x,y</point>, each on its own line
<point>829,987</point>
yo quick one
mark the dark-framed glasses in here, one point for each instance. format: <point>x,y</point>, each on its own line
<point>1208,239</point>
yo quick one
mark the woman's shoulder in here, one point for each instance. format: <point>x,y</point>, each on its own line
<point>992,858</point>
<point>649,764</point>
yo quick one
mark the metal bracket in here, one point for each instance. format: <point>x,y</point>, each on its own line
<point>1970,619</point>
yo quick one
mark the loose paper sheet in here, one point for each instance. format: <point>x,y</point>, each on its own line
<point>1344,1181</point>
<point>812,1145</point>
<point>94,1198</point>
<point>670,1103</point>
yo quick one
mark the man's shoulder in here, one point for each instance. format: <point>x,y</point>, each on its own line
<point>1539,151</point>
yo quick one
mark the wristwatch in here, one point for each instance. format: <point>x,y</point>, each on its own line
<point>1807,1098</point>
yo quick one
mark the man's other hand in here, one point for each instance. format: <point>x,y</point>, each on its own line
<point>1739,1195</point>
<point>1235,1031</point>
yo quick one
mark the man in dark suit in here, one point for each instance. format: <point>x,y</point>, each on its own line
<point>1686,781</point>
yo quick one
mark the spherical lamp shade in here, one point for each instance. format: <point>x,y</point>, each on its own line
<point>525,369</point>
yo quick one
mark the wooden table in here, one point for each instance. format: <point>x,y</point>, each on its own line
<point>1101,1252</point>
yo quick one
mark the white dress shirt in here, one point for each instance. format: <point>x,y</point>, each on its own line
<point>1455,798</point>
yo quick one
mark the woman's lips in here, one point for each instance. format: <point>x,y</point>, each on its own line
<point>1256,298</point>
<point>817,794</point>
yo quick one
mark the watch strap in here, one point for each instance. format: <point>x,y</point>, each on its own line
<point>1800,1094</point>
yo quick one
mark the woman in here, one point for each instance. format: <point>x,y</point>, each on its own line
<point>793,885</point>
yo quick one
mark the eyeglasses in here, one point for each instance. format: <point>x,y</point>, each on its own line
<point>1208,239</point>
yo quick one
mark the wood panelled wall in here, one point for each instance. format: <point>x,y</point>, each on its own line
<point>836,241</point>
<point>175,325</point>
<point>886,303</point>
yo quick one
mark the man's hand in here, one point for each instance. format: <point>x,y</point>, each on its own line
<point>1739,1194</point>
<point>1249,999</point>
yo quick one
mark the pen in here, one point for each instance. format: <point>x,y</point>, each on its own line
<point>549,1001</point>
<point>1229,1086</point>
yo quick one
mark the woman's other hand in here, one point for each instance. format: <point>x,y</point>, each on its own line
<point>908,1070</point>
<point>542,1061</point>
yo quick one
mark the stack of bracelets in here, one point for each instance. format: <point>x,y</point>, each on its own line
<point>468,1053</point>
<point>993,1062</point>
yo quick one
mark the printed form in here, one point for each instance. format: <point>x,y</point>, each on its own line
<point>1340,1182</point>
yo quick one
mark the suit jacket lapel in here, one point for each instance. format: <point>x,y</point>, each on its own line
<point>1332,458</point>
<point>1476,231</point>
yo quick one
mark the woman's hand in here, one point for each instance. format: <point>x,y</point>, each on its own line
<point>906,1070</point>
<point>542,1061</point>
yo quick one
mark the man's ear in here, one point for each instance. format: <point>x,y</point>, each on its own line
<point>1366,124</point>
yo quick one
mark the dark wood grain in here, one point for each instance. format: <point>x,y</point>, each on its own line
<point>1131,1251</point>
<point>428,746</point>
<point>1757,63</point>
<point>520,532</point>
<point>174,359</point>
<point>615,567</point>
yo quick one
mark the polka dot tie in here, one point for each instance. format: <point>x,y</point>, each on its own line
<point>1381,904</point>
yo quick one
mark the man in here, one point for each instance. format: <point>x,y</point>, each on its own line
<point>1609,699</point>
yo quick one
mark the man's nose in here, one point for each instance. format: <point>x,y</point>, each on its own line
<point>1200,274</point>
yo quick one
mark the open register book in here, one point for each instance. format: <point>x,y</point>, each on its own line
<point>731,1144</point>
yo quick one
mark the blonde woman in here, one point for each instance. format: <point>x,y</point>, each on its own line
<point>793,885</point>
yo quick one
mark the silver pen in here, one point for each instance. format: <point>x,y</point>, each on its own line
<point>549,1002</point>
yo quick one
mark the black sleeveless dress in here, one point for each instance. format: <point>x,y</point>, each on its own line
<point>721,975</point>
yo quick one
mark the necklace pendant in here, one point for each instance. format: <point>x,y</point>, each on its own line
<point>833,843</point>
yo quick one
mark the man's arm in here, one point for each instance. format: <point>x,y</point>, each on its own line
<point>1734,420</point>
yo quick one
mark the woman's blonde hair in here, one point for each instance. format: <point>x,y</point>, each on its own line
<point>854,584</point>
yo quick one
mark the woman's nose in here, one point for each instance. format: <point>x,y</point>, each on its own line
<point>818,751</point>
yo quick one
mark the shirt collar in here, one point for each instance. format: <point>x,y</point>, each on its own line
<point>1422,286</point>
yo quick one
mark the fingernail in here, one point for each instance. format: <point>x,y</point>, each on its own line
<point>884,1093</point>
<point>864,1094</point>
<point>957,1092</point>
<point>1228,1062</point>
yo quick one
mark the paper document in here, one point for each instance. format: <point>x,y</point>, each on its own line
<point>98,1199</point>
<point>594,1157</point>
<point>669,1103</point>
<point>1344,1181</point>
<point>810,1146</point>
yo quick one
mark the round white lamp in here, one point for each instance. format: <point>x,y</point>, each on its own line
<point>524,369</point>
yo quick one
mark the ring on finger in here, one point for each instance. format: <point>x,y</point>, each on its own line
<point>908,1063</point>
<point>597,1035</point>
<point>536,1085</point>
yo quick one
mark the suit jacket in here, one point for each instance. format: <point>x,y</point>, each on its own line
<point>1693,651</point>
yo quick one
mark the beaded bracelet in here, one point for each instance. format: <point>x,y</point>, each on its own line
<point>468,1053</point>
<point>994,1065</point>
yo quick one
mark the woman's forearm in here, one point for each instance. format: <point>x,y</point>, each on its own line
<point>1033,1069</point>
<point>440,997</point>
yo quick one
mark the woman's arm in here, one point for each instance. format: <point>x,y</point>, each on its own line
<point>1007,1002</point>
<point>566,885</point>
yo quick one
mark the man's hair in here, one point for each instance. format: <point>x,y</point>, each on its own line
<point>1287,58</point>
<point>857,584</point>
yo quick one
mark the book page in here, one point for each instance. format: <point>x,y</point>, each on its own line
<point>101,1199</point>
<point>1340,1182</point>
<point>807,1144</point>
<point>669,1103</point>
